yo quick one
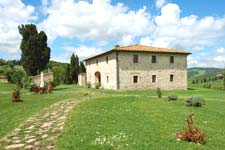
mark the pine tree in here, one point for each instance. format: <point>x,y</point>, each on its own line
<point>82,68</point>
<point>35,51</point>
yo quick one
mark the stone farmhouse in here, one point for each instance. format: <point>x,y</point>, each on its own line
<point>138,67</point>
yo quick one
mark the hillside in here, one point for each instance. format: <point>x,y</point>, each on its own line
<point>197,71</point>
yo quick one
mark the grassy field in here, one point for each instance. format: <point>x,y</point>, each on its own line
<point>134,119</point>
<point>139,120</point>
<point>11,114</point>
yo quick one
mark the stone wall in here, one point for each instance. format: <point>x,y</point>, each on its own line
<point>47,77</point>
<point>82,79</point>
<point>3,79</point>
<point>144,69</point>
<point>107,71</point>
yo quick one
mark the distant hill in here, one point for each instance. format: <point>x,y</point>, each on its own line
<point>198,71</point>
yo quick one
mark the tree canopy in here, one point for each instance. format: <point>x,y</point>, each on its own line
<point>35,51</point>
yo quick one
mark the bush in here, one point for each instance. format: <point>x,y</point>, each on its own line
<point>195,101</point>
<point>16,94</point>
<point>89,84</point>
<point>172,98</point>
<point>192,134</point>
<point>158,92</point>
<point>98,85</point>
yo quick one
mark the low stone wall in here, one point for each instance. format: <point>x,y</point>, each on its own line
<point>47,77</point>
<point>3,79</point>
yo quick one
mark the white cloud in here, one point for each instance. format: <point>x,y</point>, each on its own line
<point>98,21</point>
<point>160,3</point>
<point>13,13</point>
<point>188,32</point>
<point>83,51</point>
<point>126,40</point>
<point>220,50</point>
<point>219,58</point>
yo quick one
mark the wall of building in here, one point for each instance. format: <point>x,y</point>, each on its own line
<point>144,69</point>
<point>105,69</point>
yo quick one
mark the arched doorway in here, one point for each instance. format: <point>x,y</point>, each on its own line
<point>97,77</point>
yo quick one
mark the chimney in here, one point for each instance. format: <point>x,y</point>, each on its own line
<point>117,46</point>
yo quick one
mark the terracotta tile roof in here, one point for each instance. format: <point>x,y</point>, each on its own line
<point>142,48</point>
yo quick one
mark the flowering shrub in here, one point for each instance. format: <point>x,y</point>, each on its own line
<point>16,94</point>
<point>192,134</point>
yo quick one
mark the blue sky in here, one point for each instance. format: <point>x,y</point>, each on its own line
<point>89,27</point>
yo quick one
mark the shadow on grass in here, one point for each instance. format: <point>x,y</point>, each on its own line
<point>60,88</point>
<point>191,89</point>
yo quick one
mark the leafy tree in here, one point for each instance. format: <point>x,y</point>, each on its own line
<point>82,68</point>
<point>68,79</point>
<point>35,51</point>
<point>74,64</point>
<point>59,75</point>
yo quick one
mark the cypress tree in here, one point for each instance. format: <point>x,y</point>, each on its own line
<point>35,51</point>
<point>82,68</point>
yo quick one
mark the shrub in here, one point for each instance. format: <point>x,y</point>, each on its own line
<point>172,98</point>
<point>16,94</point>
<point>158,92</point>
<point>192,134</point>
<point>195,101</point>
<point>50,88</point>
<point>98,85</point>
<point>89,84</point>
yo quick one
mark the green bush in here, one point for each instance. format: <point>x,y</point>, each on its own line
<point>89,84</point>
<point>195,101</point>
<point>98,85</point>
<point>172,98</point>
<point>158,92</point>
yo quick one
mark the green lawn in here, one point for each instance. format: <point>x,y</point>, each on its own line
<point>138,120</point>
<point>133,119</point>
<point>11,114</point>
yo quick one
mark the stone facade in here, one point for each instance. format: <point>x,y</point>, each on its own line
<point>116,70</point>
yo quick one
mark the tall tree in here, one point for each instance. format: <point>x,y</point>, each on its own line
<point>82,68</point>
<point>74,66</point>
<point>35,51</point>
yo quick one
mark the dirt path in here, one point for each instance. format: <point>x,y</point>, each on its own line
<point>40,131</point>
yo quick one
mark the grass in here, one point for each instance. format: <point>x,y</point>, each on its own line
<point>12,114</point>
<point>132,119</point>
<point>139,120</point>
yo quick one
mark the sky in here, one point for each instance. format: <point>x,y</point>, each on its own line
<point>89,27</point>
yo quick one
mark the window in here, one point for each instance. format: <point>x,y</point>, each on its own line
<point>171,78</point>
<point>135,58</point>
<point>171,59</point>
<point>153,78</point>
<point>135,79</point>
<point>96,61</point>
<point>153,59</point>
<point>107,78</point>
<point>107,59</point>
